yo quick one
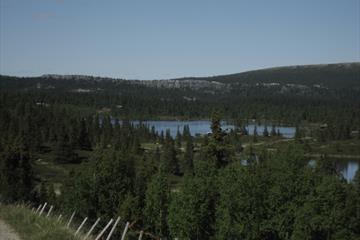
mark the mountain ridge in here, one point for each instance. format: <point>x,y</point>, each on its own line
<point>333,75</point>
<point>321,65</point>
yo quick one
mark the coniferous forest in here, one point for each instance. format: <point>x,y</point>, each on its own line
<point>72,142</point>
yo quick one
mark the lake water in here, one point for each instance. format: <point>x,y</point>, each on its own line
<point>203,127</point>
<point>347,167</point>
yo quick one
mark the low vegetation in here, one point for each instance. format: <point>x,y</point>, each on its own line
<point>31,226</point>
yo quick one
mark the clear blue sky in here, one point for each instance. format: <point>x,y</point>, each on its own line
<point>156,39</point>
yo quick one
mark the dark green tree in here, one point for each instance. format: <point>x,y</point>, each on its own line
<point>84,140</point>
<point>63,152</point>
<point>156,204</point>
<point>16,174</point>
<point>266,132</point>
<point>168,157</point>
<point>255,134</point>
<point>188,158</point>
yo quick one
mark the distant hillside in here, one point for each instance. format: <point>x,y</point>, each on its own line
<point>341,75</point>
<point>286,93</point>
<point>325,76</point>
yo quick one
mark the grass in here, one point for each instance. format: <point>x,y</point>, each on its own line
<point>52,172</point>
<point>30,226</point>
<point>350,147</point>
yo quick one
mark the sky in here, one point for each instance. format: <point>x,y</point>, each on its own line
<point>161,39</point>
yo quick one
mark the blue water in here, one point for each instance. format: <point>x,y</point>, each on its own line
<point>347,168</point>
<point>203,127</point>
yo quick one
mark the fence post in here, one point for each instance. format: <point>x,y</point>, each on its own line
<point>141,234</point>
<point>71,218</point>
<point>91,229</point>
<point>81,225</point>
<point>113,228</point>
<point>102,232</point>
<point>125,230</point>
<point>51,208</point>
<point>37,210</point>
<point>42,209</point>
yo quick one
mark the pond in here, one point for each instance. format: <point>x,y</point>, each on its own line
<point>347,167</point>
<point>203,127</point>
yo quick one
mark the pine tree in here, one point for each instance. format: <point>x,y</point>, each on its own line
<point>156,204</point>
<point>266,132</point>
<point>188,164</point>
<point>63,152</point>
<point>298,134</point>
<point>186,132</point>
<point>169,158</point>
<point>216,130</point>
<point>16,174</point>
<point>273,131</point>
<point>178,139</point>
<point>255,134</point>
<point>84,140</point>
<point>192,209</point>
<point>216,148</point>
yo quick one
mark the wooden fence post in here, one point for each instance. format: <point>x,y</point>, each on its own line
<point>81,225</point>
<point>125,230</point>
<point>42,209</point>
<point>113,228</point>
<point>141,235</point>
<point>59,218</point>
<point>91,229</point>
<point>102,232</point>
<point>51,208</point>
<point>71,218</point>
<point>37,210</point>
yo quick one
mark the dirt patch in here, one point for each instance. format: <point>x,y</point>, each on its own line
<point>7,233</point>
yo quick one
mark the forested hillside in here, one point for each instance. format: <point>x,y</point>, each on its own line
<point>342,75</point>
<point>314,93</point>
<point>69,141</point>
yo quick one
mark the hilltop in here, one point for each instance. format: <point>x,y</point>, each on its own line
<point>344,75</point>
<point>290,93</point>
<point>338,75</point>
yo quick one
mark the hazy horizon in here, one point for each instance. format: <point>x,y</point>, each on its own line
<point>163,40</point>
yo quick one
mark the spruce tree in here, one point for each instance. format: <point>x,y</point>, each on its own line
<point>16,174</point>
<point>178,139</point>
<point>255,134</point>
<point>188,159</point>
<point>169,158</point>
<point>63,152</point>
<point>273,131</point>
<point>266,132</point>
<point>84,140</point>
<point>156,204</point>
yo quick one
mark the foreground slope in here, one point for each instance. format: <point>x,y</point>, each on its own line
<point>30,226</point>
